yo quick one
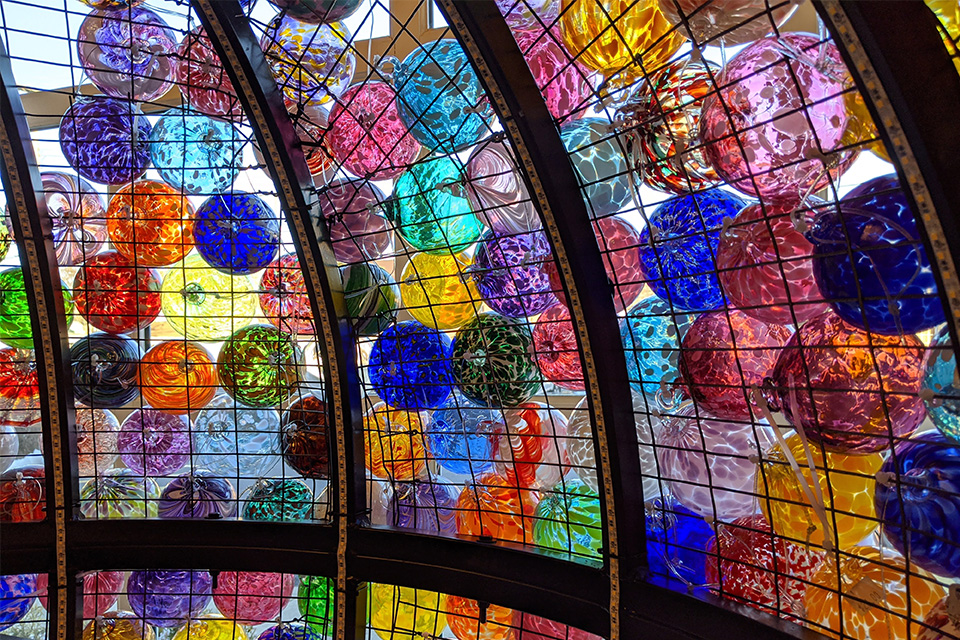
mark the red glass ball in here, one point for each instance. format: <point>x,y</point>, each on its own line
<point>284,299</point>
<point>203,80</point>
<point>557,348</point>
<point>23,495</point>
<point>177,377</point>
<point>304,438</point>
<point>19,382</point>
<point>115,296</point>
<point>252,597</point>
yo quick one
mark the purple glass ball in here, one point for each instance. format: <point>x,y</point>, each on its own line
<point>106,140</point>
<point>200,494</point>
<point>168,598</point>
<point>153,442</point>
<point>511,275</point>
<point>422,506</point>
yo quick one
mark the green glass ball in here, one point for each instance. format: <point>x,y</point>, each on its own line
<point>493,361</point>
<point>279,501</point>
<point>316,599</point>
<point>371,297</point>
<point>258,366</point>
<point>568,520</point>
<point>16,329</point>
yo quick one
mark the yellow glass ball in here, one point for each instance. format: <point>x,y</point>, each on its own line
<point>212,628</point>
<point>438,291</point>
<point>860,126</point>
<point>397,613</point>
<point>866,577</point>
<point>640,40</point>
<point>948,13</point>
<point>118,625</point>
<point>393,442</point>
<point>847,496</point>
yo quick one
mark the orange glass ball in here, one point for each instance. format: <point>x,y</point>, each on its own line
<point>463,618</point>
<point>151,223</point>
<point>493,507</point>
<point>393,443</point>
<point>177,377</point>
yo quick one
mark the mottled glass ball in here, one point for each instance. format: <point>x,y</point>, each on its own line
<point>494,507</point>
<point>279,501</point>
<point>106,140</point>
<point>16,329</point>
<point>258,366</point>
<point>438,290</point>
<point>427,507</point>
<point>237,233</point>
<point>22,495</point>
<point>96,440</point>
<point>509,271</point>
<point>305,438</point>
<point>403,613</point>
<point>409,366</point>
<point>557,346</point>
<point>568,520</point>
<point>17,595</point>
<point>651,334</point>
<point>168,598</point>
<point>203,82</point>
<point>394,442</point>
<point>599,165</point>
<point>115,296</point>
<point>493,361</point>
<point>676,543</point>
<point>252,597</point>
<point>311,63</point>
<point>233,440</point>
<point>289,631</point>
<point>283,296</point>
<point>316,600</point>
<point>463,437</point>
<point>210,627</point>
<point>196,154</point>
<point>19,388</point>
<point>119,494</point>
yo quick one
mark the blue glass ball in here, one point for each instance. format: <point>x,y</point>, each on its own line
<point>599,164</point>
<point>941,386</point>
<point>106,140</point>
<point>290,631</point>
<point>231,439</point>
<point>889,271</point>
<point>17,594</point>
<point>676,542</point>
<point>409,366</point>
<point>237,233</point>
<point>918,502</point>
<point>651,334</point>
<point>196,154</point>
<point>439,98</point>
<point>463,437</point>
<point>679,264</point>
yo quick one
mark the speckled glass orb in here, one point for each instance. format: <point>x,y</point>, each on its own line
<point>366,136</point>
<point>619,242</point>
<point>211,627</point>
<point>651,334</point>
<point>510,274</point>
<point>427,507</point>
<point>115,296</point>
<point>201,303</point>
<point>889,286</point>
<point>430,209</point>
<point>940,394</point>
<point>536,628</point>
<point>533,451</point>
<point>568,520</point>
<point>371,297</point>
<point>316,598</point>
<point>128,53</point>
<point>279,501</point>
<point>847,492</point>
<point>19,385</point>
<point>676,543</point>
<point>153,442</point>
<point>17,595</point>
<point>394,443</point>
<point>258,366</point>
<point>493,361</point>
<point>562,80</point>
<point>729,22</point>
<point>766,266</point>
<point>409,366</point>
<point>177,377</point>
<point>198,494</point>
<point>232,440</point>
<point>528,15</point>
<point>118,625</point>
<point>318,11</point>
<point>111,4</point>
<point>311,63</point>
<point>598,162</point>
<point>168,598</point>
<point>780,84</point>
<point>610,35</point>
<point>849,390</point>
<point>16,330</point>
<point>77,216</point>
<point>105,370</point>
<point>463,617</point>
<point>759,569</point>
<point>283,296</point>
<point>440,98</point>
<point>463,437</point>
<point>106,140</point>
<point>196,154</point>
<point>96,440</point>
<point>439,291</point>
<point>237,233</point>
<point>876,597</point>
<point>679,261</point>
<point>493,506</point>
<point>558,348</point>
<point>305,438</point>
<point>725,353</point>
<point>203,82</point>
<point>497,192</point>
<point>710,465</point>
<point>252,597</point>
<point>22,495</point>
<point>119,494</point>
<point>9,446</point>
<point>402,613</point>
<point>289,631</point>
<point>357,228</point>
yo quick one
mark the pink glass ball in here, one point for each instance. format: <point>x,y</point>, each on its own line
<point>496,190</point>
<point>252,597</point>
<point>765,265</point>
<point>283,296</point>
<point>537,628</point>
<point>96,440</point>
<point>154,443</point>
<point>774,89</point>
<point>101,590</point>
<point>619,243</point>
<point>719,366</point>
<point>557,348</point>
<point>366,134</point>
<point>203,81</point>
<point>847,389</point>
<point>563,82</point>
<point>357,229</point>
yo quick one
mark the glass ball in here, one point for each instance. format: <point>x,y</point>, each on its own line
<point>204,83</point>
<point>568,520</point>
<point>119,494</point>
<point>9,446</point>
<point>533,450</point>
<point>258,366</point>
<point>232,440</point>
<point>438,290</point>
<point>940,624</point>
<point>651,335</point>
<point>118,625</point>
<point>402,613</point>
<point>496,190</point>
<point>528,15</point>
<point>290,631</point>
<point>154,443</point>
<point>211,627</point>
<point>22,495</point>
<point>598,162</point>
<point>562,80</point>
<point>17,595</point>
<point>493,362</point>
<point>727,22</point>
<point>536,628</point>
<point>619,242</point>
<point>496,508</point>
<point>96,440</point>
<point>78,217</point>
<point>679,259</point>
<point>198,494</point>
<point>115,296</point>
<point>168,598</point>
<point>177,377</point>
<point>676,543</point>
<point>427,507</point>
<point>371,296</point>
<point>201,303</point>
<point>510,274</point>
<point>111,4</point>
<point>237,233</point>
<point>557,346</point>
<point>311,63</point>
<point>357,229</point>
<point>283,296</point>
<point>367,137</point>
<point>316,600</point>
<point>101,590</point>
<point>305,438</point>
<point>106,140</point>
<point>463,617</point>
<point>394,443</point>
<point>409,366</point>
<point>279,501</point>
<point>440,99</point>
<point>941,391</point>
<point>318,11</point>
<point>196,154</point>
<point>105,370</point>
<point>462,437</point>
<point>430,210</point>
<point>19,385</point>
<point>311,124</point>
<point>252,597</point>
<point>16,329</point>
